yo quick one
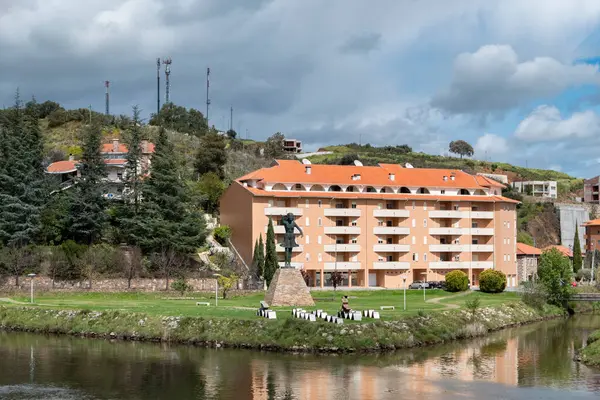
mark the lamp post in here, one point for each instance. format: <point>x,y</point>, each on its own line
<point>31,285</point>
<point>404,281</point>
<point>216,276</point>
<point>424,282</point>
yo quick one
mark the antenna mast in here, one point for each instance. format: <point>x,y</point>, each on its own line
<point>157,85</point>
<point>107,97</point>
<point>167,62</point>
<point>231,119</point>
<point>207,88</point>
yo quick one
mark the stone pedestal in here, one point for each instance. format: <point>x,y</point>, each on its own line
<point>288,289</point>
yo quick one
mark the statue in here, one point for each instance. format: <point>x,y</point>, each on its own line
<point>289,240</point>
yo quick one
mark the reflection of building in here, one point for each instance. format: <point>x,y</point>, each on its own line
<point>114,155</point>
<point>377,224</point>
<point>527,262</point>
<point>292,146</point>
<point>537,188</point>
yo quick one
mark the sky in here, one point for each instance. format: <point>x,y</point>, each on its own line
<point>517,79</point>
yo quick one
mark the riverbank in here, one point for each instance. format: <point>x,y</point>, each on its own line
<point>284,334</point>
<point>590,355</point>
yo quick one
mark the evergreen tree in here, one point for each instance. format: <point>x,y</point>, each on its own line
<point>211,155</point>
<point>577,258</point>
<point>88,216</point>
<point>164,222</point>
<point>260,259</point>
<point>22,182</point>
<point>133,171</point>
<point>271,262</point>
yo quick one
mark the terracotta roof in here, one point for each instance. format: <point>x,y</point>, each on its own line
<point>374,195</point>
<point>485,181</point>
<point>115,161</point>
<point>525,249</point>
<point>108,148</point>
<point>288,171</point>
<point>593,222</point>
<point>61,167</point>
<point>564,250</point>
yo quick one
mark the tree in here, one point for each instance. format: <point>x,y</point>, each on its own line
<point>133,167</point>
<point>88,215</point>
<point>207,192</point>
<point>348,159</point>
<point>16,261</point>
<point>134,264</point>
<point>226,283</point>
<point>169,263</point>
<point>461,148</point>
<point>577,258</point>
<point>222,234</point>
<point>211,155</point>
<point>271,261</point>
<point>258,258</point>
<point>180,119</point>
<point>231,134</point>
<point>336,279</point>
<point>555,274</point>
<point>274,146</point>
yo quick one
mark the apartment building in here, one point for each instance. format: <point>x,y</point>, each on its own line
<point>377,225</point>
<point>292,146</point>
<point>537,188</point>
<point>592,235</point>
<point>591,190</point>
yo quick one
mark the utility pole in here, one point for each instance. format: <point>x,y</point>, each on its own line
<point>157,85</point>
<point>107,98</point>
<point>231,119</point>
<point>207,90</point>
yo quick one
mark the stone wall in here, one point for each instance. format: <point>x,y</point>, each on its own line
<point>526,266</point>
<point>102,285</point>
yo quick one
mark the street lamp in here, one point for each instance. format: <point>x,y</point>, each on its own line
<point>31,282</point>
<point>216,276</point>
<point>404,281</point>
<point>424,282</point>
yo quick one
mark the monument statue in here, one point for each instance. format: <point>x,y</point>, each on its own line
<point>289,240</point>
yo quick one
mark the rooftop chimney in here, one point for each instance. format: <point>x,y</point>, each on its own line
<point>115,145</point>
<point>307,169</point>
<point>392,177</point>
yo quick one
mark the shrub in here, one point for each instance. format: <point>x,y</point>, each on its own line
<point>473,305</point>
<point>534,295</point>
<point>492,281</point>
<point>584,275</point>
<point>181,286</point>
<point>222,234</point>
<point>456,281</point>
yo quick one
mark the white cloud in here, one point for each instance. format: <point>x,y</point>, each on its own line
<point>490,144</point>
<point>492,79</point>
<point>546,124</point>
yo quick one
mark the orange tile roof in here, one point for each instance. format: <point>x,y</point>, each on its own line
<point>564,250</point>
<point>485,181</point>
<point>525,249</point>
<point>61,167</point>
<point>115,161</point>
<point>593,222</point>
<point>373,195</point>
<point>289,171</point>
<point>108,148</point>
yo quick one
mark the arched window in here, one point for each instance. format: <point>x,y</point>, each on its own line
<point>351,189</point>
<point>479,192</point>
<point>387,189</point>
<point>335,188</point>
<point>464,192</point>
<point>317,188</point>
<point>423,191</point>
<point>279,186</point>
<point>299,187</point>
<point>404,190</point>
<point>370,189</point>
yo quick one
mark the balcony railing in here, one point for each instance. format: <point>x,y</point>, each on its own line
<point>391,248</point>
<point>342,230</point>
<point>342,212</point>
<point>448,214</point>
<point>461,264</point>
<point>341,248</point>
<point>280,211</point>
<point>342,266</point>
<point>482,248</point>
<point>449,231</point>
<point>391,230</point>
<point>438,248</point>
<point>482,215</point>
<point>391,265</point>
<point>298,249</point>
<point>482,231</point>
<point>391,213</point>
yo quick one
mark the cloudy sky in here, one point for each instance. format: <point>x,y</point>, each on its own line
<point>517,79</point>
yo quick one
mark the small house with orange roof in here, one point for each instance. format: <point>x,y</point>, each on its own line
<point>592,235</point>
<point>527,262</point>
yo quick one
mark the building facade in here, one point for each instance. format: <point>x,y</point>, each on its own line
<point>527,262</point>
<point>380,226</point>
<point>592,235</point>
<point>292,146</point>
<point>591,190</point>
<point>537,188</point>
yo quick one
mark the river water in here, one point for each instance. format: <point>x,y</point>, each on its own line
<point>531,362</point>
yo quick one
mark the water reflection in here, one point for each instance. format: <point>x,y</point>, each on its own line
<point>518,363</point>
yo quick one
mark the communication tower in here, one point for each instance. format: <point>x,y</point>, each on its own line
<point>167,62</point>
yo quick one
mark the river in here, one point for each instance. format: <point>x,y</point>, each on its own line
<point>531,362</point>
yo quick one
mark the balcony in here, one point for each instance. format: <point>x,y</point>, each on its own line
<point>391,265</point>
<point>298,249</point>
<point>342,230</point>
<point>280,211</point>
<point>439,248</point>
<point>296,265</point>
<point>448,214</point>
<point>391,230</point>
<point>461,264</point>
<point>482,231</point>
<point>482,248</point>
<point>342,266</point>
<point>449,231</point>
<point>482,215</point>
<point>342,212</point>
<point>391,248</point>
<point>391,213</point>
<point>342,248</point>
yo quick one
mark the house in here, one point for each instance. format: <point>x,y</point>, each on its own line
<point>292,145</point>
<point>381,225</point>
<point>527,262</point>
<point>537,188</point>
<point>592,235</point>
<point>591,190</point>
<point>565,251</point>
<point>115,159</point>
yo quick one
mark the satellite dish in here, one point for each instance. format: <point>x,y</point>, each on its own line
<point>408,165</point>
<point>358,163</point>
<point>306,161</point>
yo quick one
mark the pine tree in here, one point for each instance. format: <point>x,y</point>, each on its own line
<point>211,155</point>
<point>133,171</point>
<point>164,223</point>
<point>271,262</point>
<point>577,258</point>
<point>260,262</point>
<point>88,216</point>
<point>22,181</point>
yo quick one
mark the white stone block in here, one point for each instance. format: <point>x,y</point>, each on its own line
<point>312,318</point>
<point>376,315</point>
<point>271,315</point>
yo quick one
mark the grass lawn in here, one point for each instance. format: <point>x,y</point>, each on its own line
<point>244,307</point>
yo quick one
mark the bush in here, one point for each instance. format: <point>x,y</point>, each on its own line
<point>584,275</point>
<point>456,281</point>
<point>473,305</point>
<point>222,234</point>
<point>534,295</point>
<point>181,286</point>
<point>492,281</point>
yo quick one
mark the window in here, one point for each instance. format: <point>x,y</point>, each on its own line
<point>414,223</point>
<point>390,258</point>
<point>354,223</point>
<point>339,205</point>
<point>443,191</point>
<point>319,257</point>
<point>388,223</point>
<point>353,205</point>
<point>424,256</point>
<point>379,222</point>
<point>389,240</point>
<point>474,208</point>
<point>307,239</point>
<point>307,203</point>
<point>339,222</point>
<point>504,241</point>
<point>474,225</point>
<point>119,175</point>
<point>298,186</point>
<point>379,240</point>
<point>508,225</point>
<point>415,257</point>
<point>475,241</point>
<point>307,222</point>
<point>270,203</point>
<point>424,223</point>
<point>425,205</point>
<point>508,257</point>
<point>319,221</point>
<point>319,239</point>
<point>414,240</point>
<point>413,205</point>
<point>380,259</point>
<point>456,258</point>
<point>504,257</point>
<point>354,241</point>
<point>424,239</point>
<point>307,256</point>
<point>319,203</point>
<point>456,207</point>
<point>456,241</point>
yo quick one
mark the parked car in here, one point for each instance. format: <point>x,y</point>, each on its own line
<point>419,285</point>
<point>437,284</point>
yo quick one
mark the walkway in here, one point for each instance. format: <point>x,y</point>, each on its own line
<point>7,300</point>
<point>448,306</point>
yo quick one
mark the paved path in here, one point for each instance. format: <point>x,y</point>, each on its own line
<point>7,300</point>
<point>449,306</point>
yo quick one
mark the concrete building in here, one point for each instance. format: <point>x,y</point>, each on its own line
<point>591,190</point>
<point>292,146</point>
<point>377,225</point>
<point>537,188</point>
<point>527,262</point>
